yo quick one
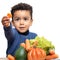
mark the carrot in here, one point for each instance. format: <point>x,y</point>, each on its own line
<point>29,55</point>
<point>9,15</point>
<point>22,44</point>
<point>51,52</point>
<point>27,44</point>
<point>10,57</point>
<point>51,56</point>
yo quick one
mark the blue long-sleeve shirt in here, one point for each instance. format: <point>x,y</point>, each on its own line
<point>14,38</point>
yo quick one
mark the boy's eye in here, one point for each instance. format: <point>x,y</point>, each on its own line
<point>25,18</point>
<point>17,19</point>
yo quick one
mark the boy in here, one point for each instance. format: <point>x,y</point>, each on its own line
<point>21,20</point>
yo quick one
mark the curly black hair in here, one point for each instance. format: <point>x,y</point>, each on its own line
<point>21,6</point>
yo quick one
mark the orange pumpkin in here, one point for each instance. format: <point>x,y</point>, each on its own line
<point>36,54</point>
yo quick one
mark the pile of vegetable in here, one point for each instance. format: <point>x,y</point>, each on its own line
<point>41,42</point>
<point>35,49</point>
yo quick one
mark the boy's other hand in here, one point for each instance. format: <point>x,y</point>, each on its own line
<point>6,21</point>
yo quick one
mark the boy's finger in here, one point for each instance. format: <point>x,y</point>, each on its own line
<point>5,19</point>
<point>6,23</point>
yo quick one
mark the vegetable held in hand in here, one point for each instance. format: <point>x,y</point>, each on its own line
<point>9,15</point>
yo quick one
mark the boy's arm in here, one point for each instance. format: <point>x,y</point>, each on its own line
<point>9,33</point>
<point>8,28</point>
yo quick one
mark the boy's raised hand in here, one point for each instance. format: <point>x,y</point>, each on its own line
<point>6,21</point>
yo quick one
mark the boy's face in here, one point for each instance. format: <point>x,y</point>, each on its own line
<point>22,20</point>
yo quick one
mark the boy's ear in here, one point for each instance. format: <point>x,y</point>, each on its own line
<point>31,21</point>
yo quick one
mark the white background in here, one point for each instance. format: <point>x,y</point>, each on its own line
<point>46,15</point>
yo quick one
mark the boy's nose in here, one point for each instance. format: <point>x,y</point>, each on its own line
<point>21,21</point>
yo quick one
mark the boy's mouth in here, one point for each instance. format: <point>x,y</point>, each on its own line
<point>22,28</point>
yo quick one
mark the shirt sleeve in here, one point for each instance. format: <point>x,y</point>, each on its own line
<point>9,33</point>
